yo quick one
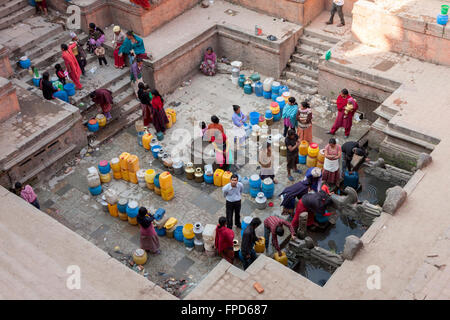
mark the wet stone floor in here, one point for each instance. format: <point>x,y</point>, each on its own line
<point>66,198</point>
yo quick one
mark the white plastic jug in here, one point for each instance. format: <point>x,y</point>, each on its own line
<point>267,84</point>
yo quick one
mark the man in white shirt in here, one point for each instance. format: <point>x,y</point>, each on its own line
<point>337,6</point>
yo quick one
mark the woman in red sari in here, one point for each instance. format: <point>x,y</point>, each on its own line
<point>158,113</point>
<point>72,66</point>
<point>119,38</point>
<point>224,240</point>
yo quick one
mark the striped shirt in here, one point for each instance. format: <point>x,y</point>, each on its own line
<point>272,223</point>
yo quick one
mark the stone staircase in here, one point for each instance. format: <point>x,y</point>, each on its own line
<point>302,73</point>
<point>126,109</point>
<point>14,11</point>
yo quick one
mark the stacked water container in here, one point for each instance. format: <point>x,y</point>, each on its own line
<point>235,71</point>
<point>281,103</point>
<point>268,188</point>
<point>166,186</point>
<point>209,237</point>
<point>160,222</point>
<point>111,199</point>
<point>132,211</point>
<point>198,240</point>
<point>246,183</point>
<point>94,183</point>
<point>140,174</point>
<point>267,88</point>
<point>442,18</point>
<point>255,185</point>
<point>268,117</point>
<point>133,168</point>
<point>275,90</point>
<point>259,90</point>
<point>115,167</point>
<point>275,109</point>
<point>105,169</point>
<point>122,209</point>
<point>208,176</point>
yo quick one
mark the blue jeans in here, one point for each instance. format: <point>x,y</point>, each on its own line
<point>249,261</point>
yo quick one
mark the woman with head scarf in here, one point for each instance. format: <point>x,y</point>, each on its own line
<point>224,240</point>
<point>104,99</point>
<point>149,238</point>
<point>72,66</point>
<point>208,66</point>
<point>158,113</point>
<point>145,97</point>
<point>314,177</point>
<point>119,38</point>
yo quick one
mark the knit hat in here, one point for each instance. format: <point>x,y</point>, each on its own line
<point>116,29</point>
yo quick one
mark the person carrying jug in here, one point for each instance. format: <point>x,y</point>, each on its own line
<point>274,225</point>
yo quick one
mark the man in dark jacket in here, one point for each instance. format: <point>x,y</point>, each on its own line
<point>248,242</point>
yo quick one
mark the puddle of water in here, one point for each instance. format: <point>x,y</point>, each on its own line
<point>314,271</point>
<point>333,238</point>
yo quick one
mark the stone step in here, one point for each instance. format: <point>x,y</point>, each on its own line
<point>304,69</point>
<point>50,68</point>
<point>47,45</point>
<point>16,17</point>
<point>311,33</point>
<point>306,59</point>
<point>9,7</point>
<point>302,78</point>
<point>122,119</point>
<point>119,99</point>
<point>306,49</point>
<point>50,56</point>
<point>300,87</point>
<point>102,78</point>
<point>316,42</point>
<point>402,136</point>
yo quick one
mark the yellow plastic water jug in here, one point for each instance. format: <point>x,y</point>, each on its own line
<point>218,177</point>
<point>113,211</point>
<point>123,160</point>
<point>321,156</point>
<point>123,216</point>
<point>167,194</point>
<point>133,163</point>
<point>105,178</point>
<point>157,190</point>
<point>132,177</point>
<point>170,223</point>
<point>117,175</point>
<point>311,162</point>
<point>313,150</point>
<point>188,231</point>
<point>281,259</point>
<point>260,245</point>
<point>226,177</point>
<point>146,139</point>
<point>303,148</point>
<point>165,180</point>
<point>150,175</point>
<point>169,124</point>
<point>124,174</point>
<point>101,119</point>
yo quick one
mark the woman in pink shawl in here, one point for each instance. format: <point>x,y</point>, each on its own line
<point>27,193</point>
<point>208,66</point>
<point>72,66</point>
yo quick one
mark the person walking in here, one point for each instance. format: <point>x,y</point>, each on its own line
<point>304,120</point>
<point>27,193</point>
<point>274,225</point>
<point>149,239</point>
<point>337,6</point>
<point>333,153</point>
<point>233,194</point>
<point>72,66</point>
<point>345,114</point>
<point>224,240</point>
<point>248,242</point>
